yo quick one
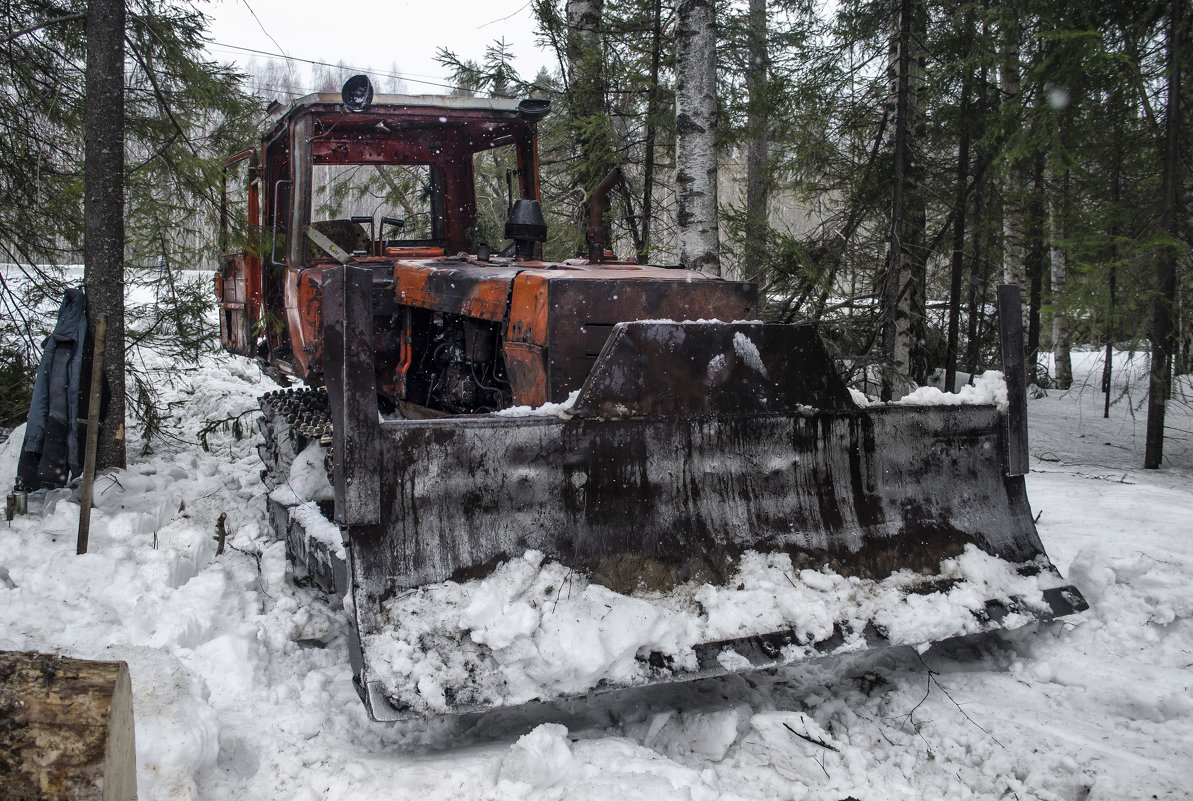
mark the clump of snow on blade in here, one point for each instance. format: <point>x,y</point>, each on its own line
<point>716,372</point>
<point>861,398</point>
<point>987,388</point>
<point>534,629</point>
<point>748,351</point>
<point>561,410</point>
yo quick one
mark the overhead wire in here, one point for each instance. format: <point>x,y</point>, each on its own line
<point>378,73</point>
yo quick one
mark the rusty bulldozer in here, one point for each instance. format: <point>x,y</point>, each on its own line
<point>630,424</point>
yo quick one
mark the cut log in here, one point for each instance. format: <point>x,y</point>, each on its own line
<point>66,729</point>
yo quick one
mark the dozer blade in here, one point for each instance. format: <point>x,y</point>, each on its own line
<point>716,494</point>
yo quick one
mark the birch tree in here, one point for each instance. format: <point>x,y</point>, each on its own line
<point>757,146</point>
<point>695,135</point>
<point>904,279</point>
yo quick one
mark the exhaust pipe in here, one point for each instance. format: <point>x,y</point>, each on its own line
<point>596,216</point>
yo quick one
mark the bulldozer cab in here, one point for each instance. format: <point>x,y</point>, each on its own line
<point>398,176</point>
<point>378,181</point>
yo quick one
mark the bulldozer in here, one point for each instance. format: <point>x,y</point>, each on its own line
<point>500,462</point>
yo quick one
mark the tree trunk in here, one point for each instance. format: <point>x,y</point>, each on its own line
<point>695,135</point>
<point>1014,268</point>
<point>67,729</point>
<point>103,224</point>
<point>981,230</point>
<point>1116,199</point>
<point>652,124</point>
<point>1035,257</point>
<point>1062,366</point>
<point>1163,333</point>
<point>957,270</point>
<point>592,128</point>
<point>903,286</point>
<point>757,177</point>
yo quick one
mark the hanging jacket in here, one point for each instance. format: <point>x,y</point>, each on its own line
<point>52,451</point>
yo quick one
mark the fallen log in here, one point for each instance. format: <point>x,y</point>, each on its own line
<point>66,729</point>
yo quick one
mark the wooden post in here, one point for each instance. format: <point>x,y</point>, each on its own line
<point>66,729</point>
<point>97,380</point>
<point>1014,369</point>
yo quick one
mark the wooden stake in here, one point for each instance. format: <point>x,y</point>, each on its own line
<point>97,375</point>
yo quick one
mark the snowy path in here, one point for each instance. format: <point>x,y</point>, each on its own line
<point>242,685</point>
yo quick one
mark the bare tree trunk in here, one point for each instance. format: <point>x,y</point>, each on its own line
<point>103,198</point>
<point>1014,269</point>
<point>1035,257</point>
<point>695,143</point>
<point>1163,333</point>
<point>903,287</point>
<point>957,270</point>
<point>757,178</point>
<point>1062,369</point>
<point>1116,198</point>
<point>652,111</point>
<point>590,122</point>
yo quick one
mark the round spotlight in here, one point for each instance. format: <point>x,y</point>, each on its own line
<point>357,93</point>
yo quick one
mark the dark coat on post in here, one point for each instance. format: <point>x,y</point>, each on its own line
<point>51,452</point>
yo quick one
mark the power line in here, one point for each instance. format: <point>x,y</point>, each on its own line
<point>283,57</point>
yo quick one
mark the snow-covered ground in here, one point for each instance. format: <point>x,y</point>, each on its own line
<point>243,688</point>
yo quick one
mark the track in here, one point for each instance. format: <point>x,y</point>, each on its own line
<point>291,421</point>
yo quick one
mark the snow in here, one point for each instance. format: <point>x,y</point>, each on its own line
<point>987,388</point>
<point>548,633</point>
<point>548,409</point>
<point>242,685</point>
<point>748,351</point>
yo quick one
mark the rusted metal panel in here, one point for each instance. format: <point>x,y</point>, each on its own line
<point>455,288</point>
<point>235,320</point>
<point>529,308</point>
<point>304,316</point>
<point>667,370</point>
<point>352,394</point>
<point>583,307</point>
<point>655,502</point>
<point>414,252</point>
<point>305,310</point>
<point>526,367</point>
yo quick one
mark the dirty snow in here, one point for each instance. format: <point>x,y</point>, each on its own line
<point>242,686</point>
<point>548,633</point>
<point>549,409</point>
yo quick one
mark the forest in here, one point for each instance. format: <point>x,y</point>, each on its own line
<point>880,166</point>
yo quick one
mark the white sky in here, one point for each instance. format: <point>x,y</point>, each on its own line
<point>375,35</point>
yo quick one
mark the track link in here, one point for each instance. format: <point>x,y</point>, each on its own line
<point>290,421</point>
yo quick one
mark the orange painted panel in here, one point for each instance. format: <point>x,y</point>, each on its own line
<point>528,309</point>
<point>526,366</point>
<point>454,288</point>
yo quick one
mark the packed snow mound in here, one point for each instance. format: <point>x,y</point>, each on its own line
<point>987,388</point>
<point>535,629</point>
<point>562,410</point>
